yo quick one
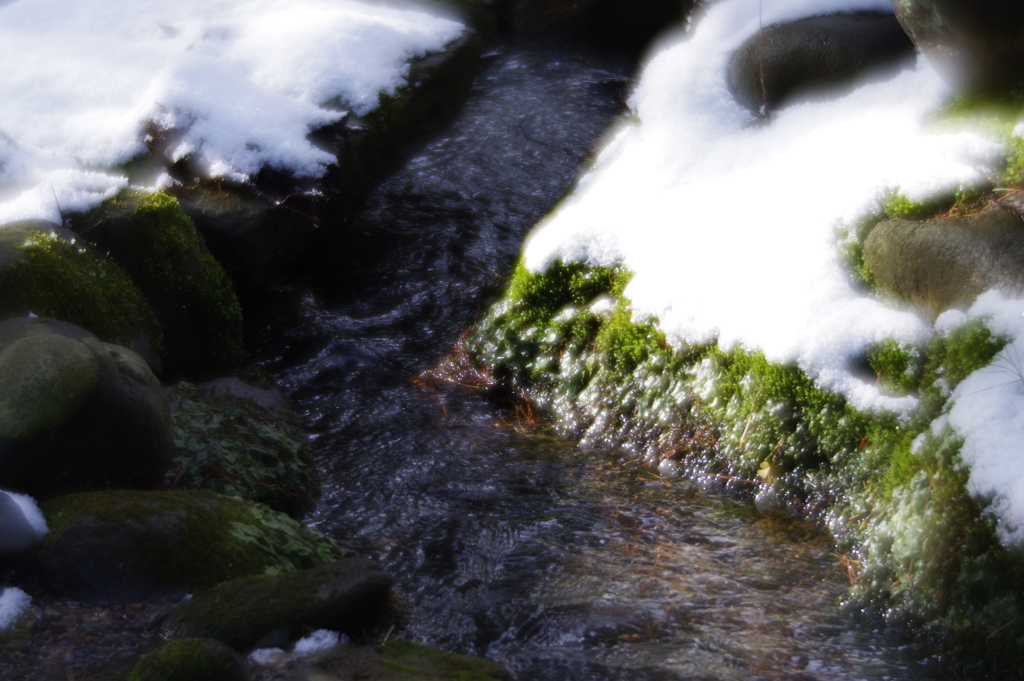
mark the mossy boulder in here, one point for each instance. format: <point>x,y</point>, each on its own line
<point>152,239</point>
<point>77,413</point>
<point>348,595</point>
<point>942,264</point>
<point>48,271</point>
<point>234,438</point>
<point>816,57</point>
<point>400,660</point>
<point>977,46</point>
<point>191,659</point>
<point>125,546</point>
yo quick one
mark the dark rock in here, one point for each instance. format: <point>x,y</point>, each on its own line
<point>125,547</point>
<point>191,659</point>
<point>237,439</point>
<point>399,660</point>
<point>77,413</point>
<point>17,536</point>
<point>625,24</point>
<point>348,596</point>
<point>943,264</point>
<point>977,46</point>
<point>818,57</point>
<point>46,270</point>
<point>154,241</point>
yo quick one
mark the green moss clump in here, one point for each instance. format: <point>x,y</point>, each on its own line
<point>151,237</point>
<point>191,659</point>
<point>624,345</point>
<point>1014,173</point>
<point>227,445</point>
<point>898,206</point>
<point>69,282</point>
<point>185,540</point>
<point>897,365</point>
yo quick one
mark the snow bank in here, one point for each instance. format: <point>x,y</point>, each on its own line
<point>31,511</point>
<point>244,82</point>
<point>730,227</point>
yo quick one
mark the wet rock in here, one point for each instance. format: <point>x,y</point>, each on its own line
<point>619,23</point>
<point>46,270</point>
<point>942,264</point>
<point>18,538</point>
<point>818,57</point>
<point>347,595</point>
<point>77,413</point>
<point>977,46</point>
<point>398,660</point>
<point>237,439</point>
<point>125,547</point>
<point>191,659</point>
<point>156,244</point>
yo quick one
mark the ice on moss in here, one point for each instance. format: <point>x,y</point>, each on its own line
<point>13,603</point>
<point>242,84</point>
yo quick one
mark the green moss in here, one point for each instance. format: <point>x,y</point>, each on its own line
<point>1014,173</point>
<point>225,444</point>
<point>898,366</point>
<point>151,237</point>
<point>191,659</point>
<point>71,283</point>
<point>193,539</point>
<point>898,206</point>
<point>540,295</point>
<point>624,345</point>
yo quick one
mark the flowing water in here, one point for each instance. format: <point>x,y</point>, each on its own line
<point>507,541</point>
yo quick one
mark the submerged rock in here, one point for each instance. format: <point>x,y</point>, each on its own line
<point>977,46</point>
<point>156,244</point>
<point>191,659</point>
<point>399,660</point>
<point>123,547</point>
<point>818,57</point>
<point>348,596</point>
<point>76,413</point>
<point>943,264</point>
<point>46,270</point>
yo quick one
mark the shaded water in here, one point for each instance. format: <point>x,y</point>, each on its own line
<point>505,540</point>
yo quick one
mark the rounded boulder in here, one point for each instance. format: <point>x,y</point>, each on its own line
<point>77,413</point>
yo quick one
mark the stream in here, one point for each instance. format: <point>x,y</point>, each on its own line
<point>505,539</point>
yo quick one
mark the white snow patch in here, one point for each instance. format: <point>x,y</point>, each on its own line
<point>321,639</point>
<point>13,602</point>
<point>242,83</point>
<point>31,511</point>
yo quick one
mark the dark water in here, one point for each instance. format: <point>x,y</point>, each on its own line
<point>506,541</point>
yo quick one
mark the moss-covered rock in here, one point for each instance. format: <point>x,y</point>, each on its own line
<point>48,271</point>
<point>127,546</point>
<point>239,440</point>
<point>191,659</point>
<point>400,660</point>
<point>152,239</point>
<point>349,596</point>
<point>76,413</point>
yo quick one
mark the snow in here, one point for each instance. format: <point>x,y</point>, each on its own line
<point>731,227</point>
<point>13,602</point>
<point>243,82</point>
<point>31,511</point>
<point>321,639</point>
